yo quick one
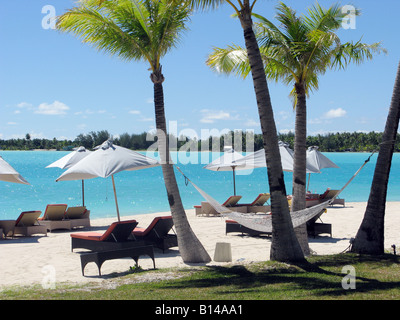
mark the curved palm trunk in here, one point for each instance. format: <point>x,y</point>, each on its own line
<point>285,246</point>
<point>370,235</point>
<point>299,167</point>
<point>190,248</point>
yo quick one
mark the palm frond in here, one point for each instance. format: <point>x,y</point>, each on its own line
<point>130,29</point>
<point>233,59</point>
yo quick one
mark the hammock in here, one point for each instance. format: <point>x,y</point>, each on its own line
<point>263,222</point>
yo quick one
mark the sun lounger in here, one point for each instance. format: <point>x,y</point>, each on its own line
<point>27,224</point>
<point>329,194</point>
<point>206,209</point>
<point>234,226</point>
<point>157,233</point>
<point>7,227</point>
<point>258,204</point>
<point>54,217</point>
<point>315,228</point>
<point>78,216</point>
<point>117,236</point>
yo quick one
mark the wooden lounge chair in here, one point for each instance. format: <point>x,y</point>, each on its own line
<point>54,217</point>
<point>329,194</point>
<point>79,216</point>
<point>157,233</point>
<point>258,204</point>
<point>206,209</point>
<point>27,224</point>
<point>117,236</point>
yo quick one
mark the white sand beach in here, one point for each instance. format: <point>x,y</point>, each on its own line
<point>34,260</point>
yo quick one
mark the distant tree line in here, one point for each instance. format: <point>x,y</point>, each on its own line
<point>331,142</point>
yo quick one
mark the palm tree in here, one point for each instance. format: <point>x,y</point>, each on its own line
<point>297,53</point>
<point>370,235</point>
<point>285,246</point>
<point>142,31</point>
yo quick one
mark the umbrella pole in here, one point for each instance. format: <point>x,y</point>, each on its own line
<point>234,181</point>
<point>83,193</point>
<point>115,196</point>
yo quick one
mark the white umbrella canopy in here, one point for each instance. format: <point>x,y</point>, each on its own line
<point>71,159</point>
<point>318,160</point>
<point>257,160</point>
<point>9,174</point>
<point>227,162</point>
<point>107,160</point>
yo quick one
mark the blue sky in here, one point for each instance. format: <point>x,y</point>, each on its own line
<point>52,85</point>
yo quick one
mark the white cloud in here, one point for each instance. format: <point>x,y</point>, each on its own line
<point>284,115</point>
<point>134,112</point>
<point>24,105</point>
<point>210,116</point>
<point>252,123</point>
<point>144,119</point>
<point>314,121</point>
<point>10,123</point>
<point>55,108</point>
<point>335,113</point>
<point>286,131</point>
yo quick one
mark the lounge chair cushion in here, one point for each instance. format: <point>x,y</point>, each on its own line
<point>117,231</point>
<point>54,212</point>
<point>231,201</point>
<point>142,232</point>
<point>27,218</point>
<point>75,212</point>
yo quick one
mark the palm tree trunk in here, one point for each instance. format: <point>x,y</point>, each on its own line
<point>285,246</point>
<point>370,235</point>
<point>299,167</point>
<point>190,248</point>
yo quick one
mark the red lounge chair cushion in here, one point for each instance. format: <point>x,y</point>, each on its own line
<point>230,221</point>
<point>21,216</point>
<point>322,196</point>
<point>96,236</point>
<point>141,232</point>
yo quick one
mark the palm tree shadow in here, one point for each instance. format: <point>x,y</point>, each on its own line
<point>305,276</point>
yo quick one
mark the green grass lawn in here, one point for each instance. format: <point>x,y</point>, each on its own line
<point>321,279</point>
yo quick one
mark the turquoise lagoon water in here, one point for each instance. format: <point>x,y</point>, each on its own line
<point>143,191</point>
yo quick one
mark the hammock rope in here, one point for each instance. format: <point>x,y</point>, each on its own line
<point>263,222</point>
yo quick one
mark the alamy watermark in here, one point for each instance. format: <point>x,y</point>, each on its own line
<point>349,21</point>
<point>349,280</point>
<point>49,20</point>
<point>211,140</point>
<point>49,278</point>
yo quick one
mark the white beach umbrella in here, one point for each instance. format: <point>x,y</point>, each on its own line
<point>106,161</point>
<point>71,159</point>
<point>227,162</point>
<point>9,174</point>
<point>318,160</point>
<point>257,160</point>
